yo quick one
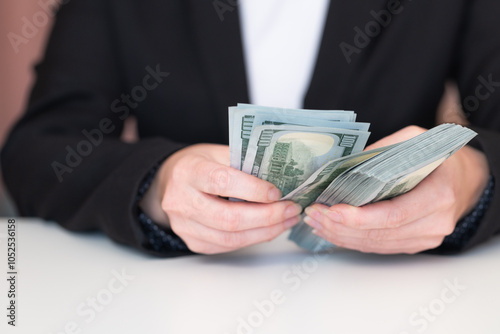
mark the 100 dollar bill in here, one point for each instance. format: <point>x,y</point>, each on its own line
<point>288,155</point>
<point>245,118</point>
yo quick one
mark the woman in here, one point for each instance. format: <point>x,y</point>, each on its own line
<point>177,65</point>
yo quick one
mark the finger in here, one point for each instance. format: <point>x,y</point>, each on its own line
<point>404,246</point>
<point>426,198</point>
<point>436,225</point>
<point>184,229</point>
<point>232,240</point>
<point>231,216</point>
<point>217,179</point>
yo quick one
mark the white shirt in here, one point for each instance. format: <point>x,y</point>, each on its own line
<point>281,39</point>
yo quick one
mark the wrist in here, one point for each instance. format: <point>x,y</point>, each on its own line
<point>474,178</point>
<point>150,202</point>
<point>467,227</point>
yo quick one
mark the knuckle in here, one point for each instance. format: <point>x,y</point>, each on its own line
<point>179,205</point>
<point>179,229</point>
<point>262,189</point>
<point>229,220</point>
<point>377,235</point>
<point>197,247</point>
<point>175,198</point>
<point>233,240</point>
<point>447,197</point>
<point>272,215</point>
<point>371,245</point>
<point>413,129</point>
<point>180,169</point>
<point>448,227</point>
<point>434,243</point>
<point>168,204</point>
<point>258,191</point>
<point>199,201</point>
<point>396,216</point>
<point>356,223</point>
<point>218,180</point>
<point>355,218</point>
<point>366,247</point>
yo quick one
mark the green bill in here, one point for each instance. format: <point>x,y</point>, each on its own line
<point>244,118</point>
<point>288,155</point>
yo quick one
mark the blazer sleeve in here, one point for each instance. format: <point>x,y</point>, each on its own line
<point>64,160</point>
<point>478,77</point>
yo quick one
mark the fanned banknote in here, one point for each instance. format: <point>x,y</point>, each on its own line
<point>245,117</point>
<point>287,155</point>
<point>387,173</point>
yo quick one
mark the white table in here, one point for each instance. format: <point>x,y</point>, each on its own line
<point>67,284</point>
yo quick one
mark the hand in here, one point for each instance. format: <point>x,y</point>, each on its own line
<point>185,196</point>
<point>413,222</point>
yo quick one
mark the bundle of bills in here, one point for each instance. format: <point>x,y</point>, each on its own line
<point>316,157</point>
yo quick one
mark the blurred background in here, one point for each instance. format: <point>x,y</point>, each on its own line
<point>24,28</point>
<point>16,65</point>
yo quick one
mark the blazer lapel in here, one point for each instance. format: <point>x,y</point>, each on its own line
<point>221,54</point>
<point>335,81</point>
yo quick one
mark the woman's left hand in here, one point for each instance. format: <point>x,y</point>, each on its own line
<point>413,222</point>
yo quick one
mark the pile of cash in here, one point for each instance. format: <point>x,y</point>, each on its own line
<point>316,156</point>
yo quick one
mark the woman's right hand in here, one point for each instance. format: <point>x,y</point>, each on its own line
<point>186,195</point>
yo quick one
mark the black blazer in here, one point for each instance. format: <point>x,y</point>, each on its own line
<point>107,59</point>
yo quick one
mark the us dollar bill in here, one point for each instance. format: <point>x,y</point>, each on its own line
<point>243,119</point>
<point>287,155</point>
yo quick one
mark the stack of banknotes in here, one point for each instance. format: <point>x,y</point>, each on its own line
<point>316,156</point>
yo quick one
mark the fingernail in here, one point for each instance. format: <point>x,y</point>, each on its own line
<point>292,222</point>
<point>319,234</point>
<point>293,210</point>
<point>313,223</point>
<point>313,213</point>
<point>334,216</point>
<point>274,194</point>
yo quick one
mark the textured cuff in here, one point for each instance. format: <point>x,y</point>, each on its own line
<point>158,238</point>
<point>467,226</point>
